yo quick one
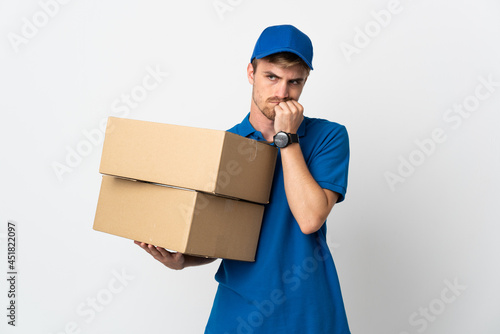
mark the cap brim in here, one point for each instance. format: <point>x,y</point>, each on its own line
<point>271,52</point>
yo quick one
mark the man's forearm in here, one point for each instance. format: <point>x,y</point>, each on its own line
<point>308,202</point>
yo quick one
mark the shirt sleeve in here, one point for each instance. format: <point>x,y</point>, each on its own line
<point>330,163</point>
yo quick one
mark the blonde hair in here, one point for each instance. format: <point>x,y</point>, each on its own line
<point>284,60</point>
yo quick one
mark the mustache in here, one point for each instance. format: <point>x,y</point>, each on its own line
<point>276,99</point>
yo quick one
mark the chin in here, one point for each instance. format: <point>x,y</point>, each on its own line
<point>270,115</point>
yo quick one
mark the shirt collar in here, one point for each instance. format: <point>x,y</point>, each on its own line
<point>246,129</point>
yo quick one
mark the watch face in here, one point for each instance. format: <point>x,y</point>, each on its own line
<point>281,139</point>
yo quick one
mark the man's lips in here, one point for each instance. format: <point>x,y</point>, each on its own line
<point>278,101</point>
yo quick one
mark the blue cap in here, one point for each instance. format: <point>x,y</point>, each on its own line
<point>284,38</point>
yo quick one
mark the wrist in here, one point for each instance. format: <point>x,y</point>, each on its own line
<point>290,150</point>
<point>283,139</point>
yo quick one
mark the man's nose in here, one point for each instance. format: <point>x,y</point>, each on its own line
<point>282,90</point>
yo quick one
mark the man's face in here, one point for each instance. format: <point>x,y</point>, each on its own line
<point>273,84</point>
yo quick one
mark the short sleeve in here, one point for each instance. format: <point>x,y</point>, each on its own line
<point>330,162</point>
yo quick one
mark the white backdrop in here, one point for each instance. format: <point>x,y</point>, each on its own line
<point>417,84</point>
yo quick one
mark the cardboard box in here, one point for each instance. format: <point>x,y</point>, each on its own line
<point>177,219</point>
<point>213,161</point>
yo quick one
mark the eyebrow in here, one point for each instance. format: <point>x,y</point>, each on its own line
<point>277,76</point>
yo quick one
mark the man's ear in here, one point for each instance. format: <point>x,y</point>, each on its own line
<point>250,73</point>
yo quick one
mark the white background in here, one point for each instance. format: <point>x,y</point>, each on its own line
<point>394,247</point>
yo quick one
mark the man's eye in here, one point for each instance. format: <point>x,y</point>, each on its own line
<point>271,77</point>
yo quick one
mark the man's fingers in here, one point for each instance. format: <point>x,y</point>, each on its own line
<point>288,116</point>
<point>169,259</point>
<point>297,105</point>
<point>165,253</point>
<point>154,251</point>
<point>284,107</point>
<point>277,109</point>
<point>161,254</point>
<point>143,245</point>
<point>177,256</point>
<point>290,106</point>
<point>140,244</point>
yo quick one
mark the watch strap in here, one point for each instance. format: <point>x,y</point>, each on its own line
<point>294,138</point>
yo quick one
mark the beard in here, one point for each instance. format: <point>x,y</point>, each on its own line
<point>267,108</point>
<point>268,112</point>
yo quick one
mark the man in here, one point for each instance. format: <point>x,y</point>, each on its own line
<point>292,287</point>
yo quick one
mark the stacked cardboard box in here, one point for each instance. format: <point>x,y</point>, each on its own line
<point>191,190</point>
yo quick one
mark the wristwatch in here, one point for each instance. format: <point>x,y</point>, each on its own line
<point>283,139</point>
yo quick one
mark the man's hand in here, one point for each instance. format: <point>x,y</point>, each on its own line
<point>172,260</point>
<point>289,115</point>
<point>176,261</point>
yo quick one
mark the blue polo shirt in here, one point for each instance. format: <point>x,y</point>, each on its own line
<point>292,287</point>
